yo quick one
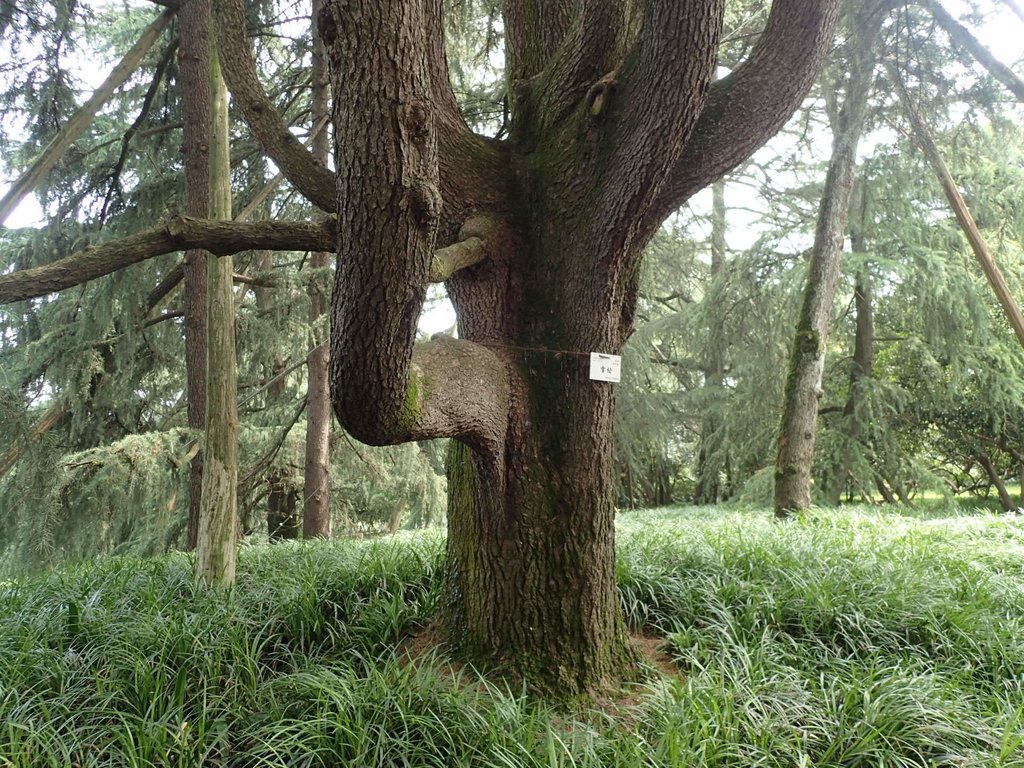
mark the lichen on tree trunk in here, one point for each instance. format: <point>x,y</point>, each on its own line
<point>218,529</point>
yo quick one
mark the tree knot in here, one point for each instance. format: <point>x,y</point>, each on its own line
<point>599,96</point>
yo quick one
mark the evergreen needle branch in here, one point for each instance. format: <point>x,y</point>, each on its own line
<point>82,118</point>
<point>270,454</point>
<point>989,266</point>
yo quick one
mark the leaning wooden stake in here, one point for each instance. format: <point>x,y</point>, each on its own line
<point>82,118</point>
<point>981,250</point>
<point>217,539</point>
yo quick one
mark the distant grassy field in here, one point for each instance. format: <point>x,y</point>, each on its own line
<point>843,638</point>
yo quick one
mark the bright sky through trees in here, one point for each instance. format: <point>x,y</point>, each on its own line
<point>1000,30</point>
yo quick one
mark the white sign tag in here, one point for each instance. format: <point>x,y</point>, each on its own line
<point>605,367</point>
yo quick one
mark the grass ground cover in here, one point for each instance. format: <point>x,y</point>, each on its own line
<point>842,638</point>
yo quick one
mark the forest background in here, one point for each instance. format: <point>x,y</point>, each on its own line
<point>922,391</point>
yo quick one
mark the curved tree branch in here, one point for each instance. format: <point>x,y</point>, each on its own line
<point>298,165</point>
<point>386,389</point>
<point>751,104</point>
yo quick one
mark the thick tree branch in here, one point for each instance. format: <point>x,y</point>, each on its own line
<point>386,389</point>
<point>661,92</point>
<point>185,232</point>
<point>458,389</point>
<point>313,180</point>
<point>751,104</point>
<point>471,248</point>
<point>447,261</point>
<point>177,234</point>
<point>533,33</point>
<point>963,38</point>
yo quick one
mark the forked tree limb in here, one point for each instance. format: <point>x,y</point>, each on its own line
<point>82,118</point>
<point>656,104</point>
<point>753,102</point>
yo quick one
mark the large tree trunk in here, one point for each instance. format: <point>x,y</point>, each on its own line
<point>195,90</point>
<point>615,123</point>
<point>316,516</point>
<point>797,432</point>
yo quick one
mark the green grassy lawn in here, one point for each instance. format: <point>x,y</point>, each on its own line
<point>843,638</point>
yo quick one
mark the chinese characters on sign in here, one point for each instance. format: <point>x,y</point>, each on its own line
<point>605,367</point>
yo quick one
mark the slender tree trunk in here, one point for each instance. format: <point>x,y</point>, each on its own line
<point>316,517</point>
<point>863,358</point>
<point>860,374</point>
<point>994,478</point>
<point>82,118</point>
<point>218,526</point>
<point>282,515</point>
<point>709,464</point>
<point>194,51</point>
<point>282,512</point>
<point>798,430</point>
<point>884,490</point>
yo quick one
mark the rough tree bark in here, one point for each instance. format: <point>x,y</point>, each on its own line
<point>316,517</point>
<point>195,93</point>
<point>611,129</point>
<point>797,432</point>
